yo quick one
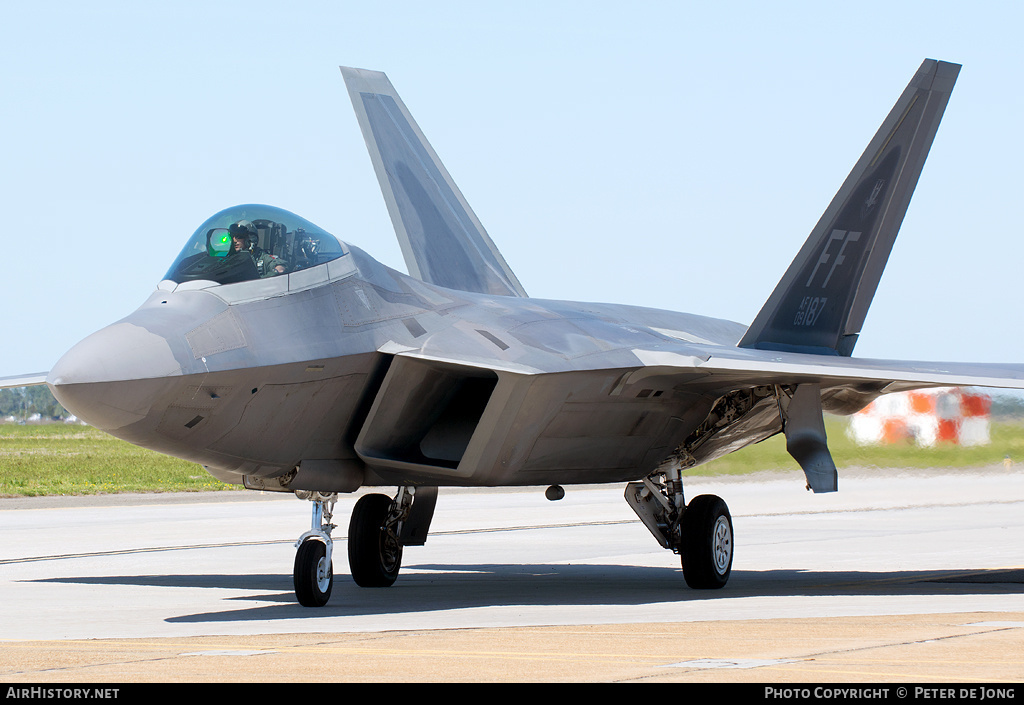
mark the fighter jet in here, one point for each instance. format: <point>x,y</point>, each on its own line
<point>283,359</point>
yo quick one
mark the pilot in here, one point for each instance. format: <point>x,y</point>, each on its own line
<point>244,238</point>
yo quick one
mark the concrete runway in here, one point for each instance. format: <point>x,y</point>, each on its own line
<point>897,577</point>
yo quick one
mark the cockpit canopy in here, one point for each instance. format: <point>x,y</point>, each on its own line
<point>253,242</point>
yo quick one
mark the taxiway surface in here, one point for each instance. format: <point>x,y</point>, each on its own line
<point>916,575</point>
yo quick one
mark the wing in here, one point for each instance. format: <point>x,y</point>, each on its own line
<point>869,378</point>
<point>821,301</point>
<point>763,392</point>
<point>30,380</point>
<point>442,240</point>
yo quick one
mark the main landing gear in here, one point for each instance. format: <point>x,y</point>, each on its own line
<point>700,532</point>
<point>374,549</point>
<point>379,529</point>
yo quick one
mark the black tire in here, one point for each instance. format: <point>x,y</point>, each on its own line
<point>313,575</point>
<point>707,543</point>
<point>374,555</point>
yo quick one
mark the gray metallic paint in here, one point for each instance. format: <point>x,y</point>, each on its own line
<point>350,373</point>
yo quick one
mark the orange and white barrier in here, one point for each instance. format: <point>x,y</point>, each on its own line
<point>925,417</point>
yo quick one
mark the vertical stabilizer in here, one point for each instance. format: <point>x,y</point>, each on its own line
<point>442,240</point>
<point>820,304</point>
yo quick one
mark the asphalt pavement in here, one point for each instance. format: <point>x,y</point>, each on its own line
<point>900,576</point>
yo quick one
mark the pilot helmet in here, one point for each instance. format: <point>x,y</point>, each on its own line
<point>245,229</point>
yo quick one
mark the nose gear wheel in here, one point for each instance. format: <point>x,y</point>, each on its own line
<point>313,573</point>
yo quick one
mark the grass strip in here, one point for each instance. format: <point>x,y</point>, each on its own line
<point>65,459</point>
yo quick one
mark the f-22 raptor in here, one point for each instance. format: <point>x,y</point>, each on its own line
<point>283,359</point>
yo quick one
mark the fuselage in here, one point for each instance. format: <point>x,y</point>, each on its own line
<point>349,373</point>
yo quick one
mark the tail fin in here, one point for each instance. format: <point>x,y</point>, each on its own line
<point>442,240</point>
<point>820,304</point>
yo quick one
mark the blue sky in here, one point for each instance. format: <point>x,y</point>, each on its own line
<point>665,154</point>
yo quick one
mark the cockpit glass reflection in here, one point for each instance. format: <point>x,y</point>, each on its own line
<point>253,242</point>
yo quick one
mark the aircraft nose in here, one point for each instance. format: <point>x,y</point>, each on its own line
<point>123,351</point>
<point>106,380</point>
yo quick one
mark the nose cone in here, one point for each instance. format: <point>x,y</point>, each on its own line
<point>107,379</point>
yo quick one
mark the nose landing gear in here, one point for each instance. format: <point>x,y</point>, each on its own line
<point>313,574</point>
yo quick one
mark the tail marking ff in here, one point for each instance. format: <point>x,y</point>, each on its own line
<point>820,304</point>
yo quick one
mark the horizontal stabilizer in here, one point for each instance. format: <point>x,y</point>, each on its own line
<point>820,304</point>
<point>442,240</point>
